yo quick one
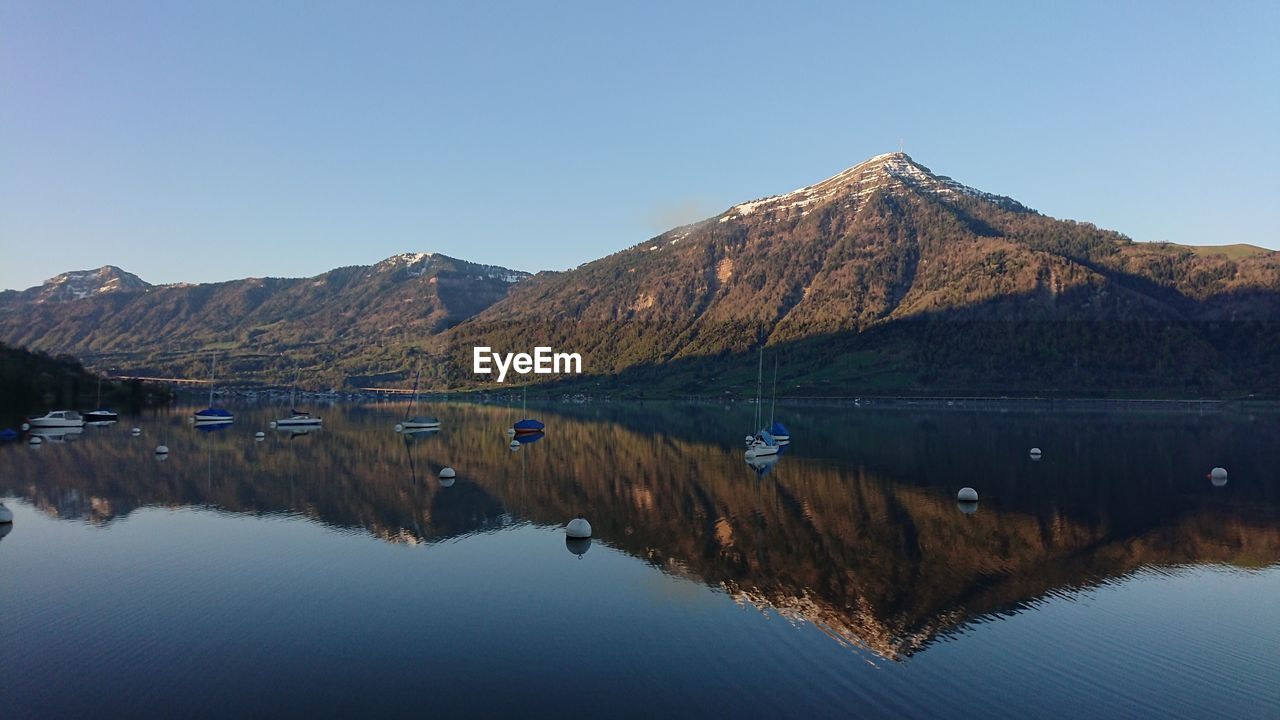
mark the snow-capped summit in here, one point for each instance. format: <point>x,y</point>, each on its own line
<point>80,284</point>
<point>406,259</point>
<point>892,172</point>
<point>418,264</point>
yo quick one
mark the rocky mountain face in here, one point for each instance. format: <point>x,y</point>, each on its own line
<point>890,275</point>
<point>263,325</point>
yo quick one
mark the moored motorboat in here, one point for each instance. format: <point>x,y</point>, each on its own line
<point>58,419</point>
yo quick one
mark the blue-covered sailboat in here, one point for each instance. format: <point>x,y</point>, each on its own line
<point>211,414</point>
<point>527,426</point>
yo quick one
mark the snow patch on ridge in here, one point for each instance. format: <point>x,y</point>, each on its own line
<point>407,258</point>
<point>890,170</point>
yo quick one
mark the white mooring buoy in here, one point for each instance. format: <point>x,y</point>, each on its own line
<point>447,473</point>
<point>135,432</point>
<point>162,449</point>
<point>578,528</point>
<point>259,435</point>
<point>1218,474</point>
<point>36,440</point>
<point>967,495</point>
<point>26,427</point>
<point>399,427</point>
<point>272,424</point>
<point>1035,453</point>
<point>511,432</point>
<point>6,515</point>
<point>515,445</point>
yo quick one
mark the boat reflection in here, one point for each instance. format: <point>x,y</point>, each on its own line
<point>762,464</point>
<point>57,434</point>
<point>527,438</point>
<point>295,431</point>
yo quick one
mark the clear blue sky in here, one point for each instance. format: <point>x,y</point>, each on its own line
<point>208,141</point>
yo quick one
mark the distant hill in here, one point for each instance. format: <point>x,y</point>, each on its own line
<point>262,326</point>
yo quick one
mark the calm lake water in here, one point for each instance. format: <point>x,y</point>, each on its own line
<point>333,574</point>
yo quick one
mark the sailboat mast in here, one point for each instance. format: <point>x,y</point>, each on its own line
<point>759,384</point>
<point>774,402</point>
<point>413,400</point>
<point>213,362</point>
<point>293,393</point>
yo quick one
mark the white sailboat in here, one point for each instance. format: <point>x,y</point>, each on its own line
<point>763,442</point>
<point>417,422</point>
<point>297,418</point>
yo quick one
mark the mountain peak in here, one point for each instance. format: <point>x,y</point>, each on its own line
<point>410,258</point>
<point>895,171</point>
<point>78,284</point>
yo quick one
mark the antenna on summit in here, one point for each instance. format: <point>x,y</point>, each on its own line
<point>901,144</point>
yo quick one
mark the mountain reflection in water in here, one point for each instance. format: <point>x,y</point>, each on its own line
<point>855,528</point>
